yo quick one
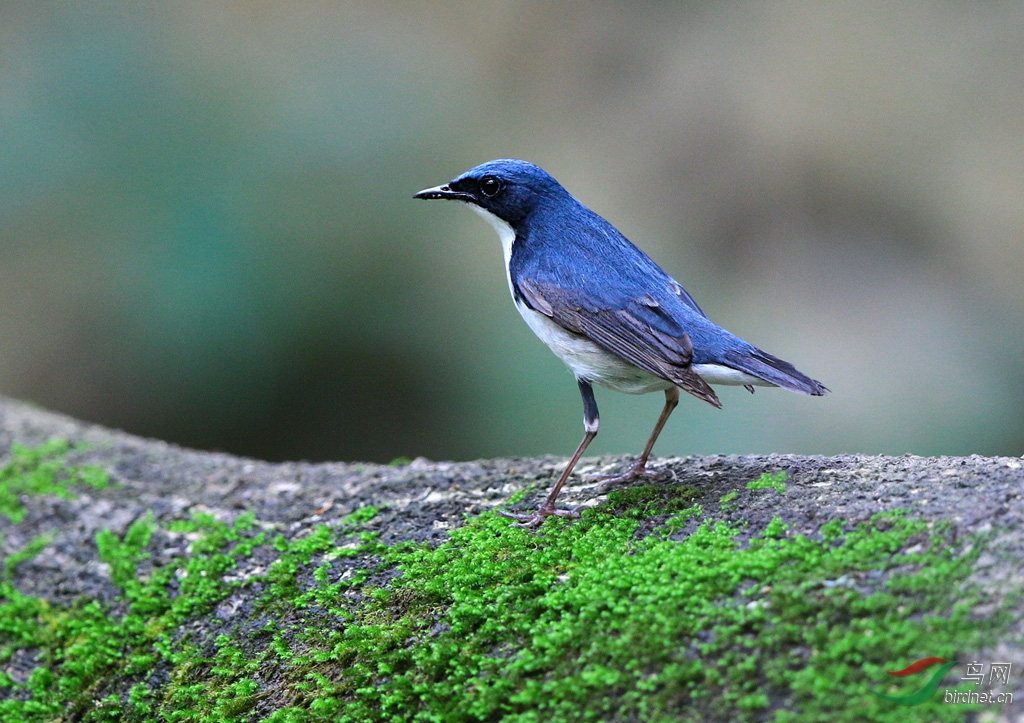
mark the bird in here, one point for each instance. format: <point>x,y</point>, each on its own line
<point>604,307</point>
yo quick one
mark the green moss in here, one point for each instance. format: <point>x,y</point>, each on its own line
<point>85,648</point>
<point>769,480</point>
<point>642,610</point>
<point>643,502</point>
<point>587,622</point>
<point>728,501</point>
<point>42,470</point>
<point>36,545</point>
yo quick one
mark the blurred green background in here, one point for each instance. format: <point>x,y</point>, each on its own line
<point>207,233</point>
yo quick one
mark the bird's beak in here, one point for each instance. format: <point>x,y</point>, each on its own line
<point>444,191</point>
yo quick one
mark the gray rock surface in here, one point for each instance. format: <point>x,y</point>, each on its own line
<point>423,499</point>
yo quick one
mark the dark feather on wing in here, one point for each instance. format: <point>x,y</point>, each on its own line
<point>637,333</point>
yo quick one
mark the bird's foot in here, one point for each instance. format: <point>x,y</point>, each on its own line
<point>637,470</point>
<point>537,518</point>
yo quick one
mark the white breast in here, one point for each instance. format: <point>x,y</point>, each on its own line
<point>588,360</point>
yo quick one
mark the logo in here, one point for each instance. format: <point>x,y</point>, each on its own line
<point>929,688</point>
<point>999,673</point>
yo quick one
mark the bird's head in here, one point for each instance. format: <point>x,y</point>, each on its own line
<point>506,188</point>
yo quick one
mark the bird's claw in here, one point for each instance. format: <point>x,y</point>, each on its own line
<point>535,520</point>
<point>636,471</point>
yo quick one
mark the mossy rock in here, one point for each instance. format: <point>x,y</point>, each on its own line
<point>143,582</point>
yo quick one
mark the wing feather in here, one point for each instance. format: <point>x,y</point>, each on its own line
<point>639,332</point>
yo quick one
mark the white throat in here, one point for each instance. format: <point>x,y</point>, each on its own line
<point>505,232</point>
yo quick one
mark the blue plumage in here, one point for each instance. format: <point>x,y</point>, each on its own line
<point>573,248</point>
<point>600,303</point>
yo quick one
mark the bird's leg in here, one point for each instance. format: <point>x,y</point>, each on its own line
<point>590,424</point>
<point>639,468</point>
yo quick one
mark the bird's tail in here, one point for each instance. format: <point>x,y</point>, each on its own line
<point>781,373</point>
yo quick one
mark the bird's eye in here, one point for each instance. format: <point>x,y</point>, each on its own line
<point>490,186</point>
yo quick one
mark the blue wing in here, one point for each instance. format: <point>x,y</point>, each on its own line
<point>593,281</point>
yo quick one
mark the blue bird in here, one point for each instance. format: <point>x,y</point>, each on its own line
<point>605,308</point>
